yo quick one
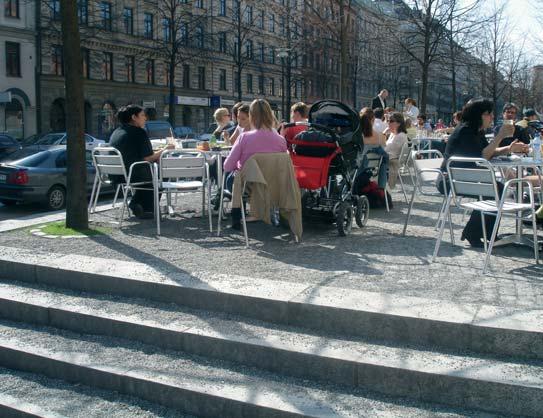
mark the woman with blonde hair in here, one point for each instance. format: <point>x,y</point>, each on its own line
<point>261,138</point>
<point>222,117</point>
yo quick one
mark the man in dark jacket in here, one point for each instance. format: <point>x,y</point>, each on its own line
<point>380,100</point>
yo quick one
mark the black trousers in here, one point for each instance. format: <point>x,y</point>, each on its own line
<point>143,197</point>
<point>474,228</point>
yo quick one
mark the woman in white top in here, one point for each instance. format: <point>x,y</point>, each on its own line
<point>411,110</point>
<point>394,144</point>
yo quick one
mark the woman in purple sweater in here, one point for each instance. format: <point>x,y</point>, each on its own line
<point>262,137</point>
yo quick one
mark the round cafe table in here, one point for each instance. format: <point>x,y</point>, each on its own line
<point>519,163</point>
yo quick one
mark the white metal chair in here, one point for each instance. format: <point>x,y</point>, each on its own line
<point>427,172</point>
<point>373,164</point>
<point>181,172</point>
<point>475,178</point>
<point>107,161</point>
<point>403,166</point>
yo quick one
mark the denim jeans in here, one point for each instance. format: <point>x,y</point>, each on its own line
<point>383,170</point>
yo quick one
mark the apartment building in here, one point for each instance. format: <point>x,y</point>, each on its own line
<point>17,68</point>
<point>126,52</point>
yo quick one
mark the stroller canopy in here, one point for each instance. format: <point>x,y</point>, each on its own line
<point>338,117</point>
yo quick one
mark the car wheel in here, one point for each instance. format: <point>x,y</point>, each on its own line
<point>56,198</point>
<point>7,202</point>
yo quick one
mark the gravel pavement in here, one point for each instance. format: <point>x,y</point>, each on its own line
<point>376,258</point>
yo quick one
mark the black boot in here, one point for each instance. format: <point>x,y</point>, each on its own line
<point>236,218</point>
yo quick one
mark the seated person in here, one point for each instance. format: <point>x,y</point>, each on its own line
<point>134,145</point>
<point>262,138</point>
<point>510,111</point>
<point>410,129</point>
<point>468,140</point>
<point>411,111</point>
<point>378,124</point>
<point>394,144</point>
<point>423,124</point>
<point>243,125</point>
<point>531,123</point>
<point>237,130</point>
<point>374,141</point>
<point>298,113</point>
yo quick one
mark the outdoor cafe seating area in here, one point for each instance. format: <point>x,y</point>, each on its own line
<point>184,172</point>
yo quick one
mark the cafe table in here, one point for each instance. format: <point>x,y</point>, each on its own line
<point>520,164</point>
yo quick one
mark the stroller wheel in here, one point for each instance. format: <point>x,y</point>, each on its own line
<point>344,218</point>
<point>362,211</point>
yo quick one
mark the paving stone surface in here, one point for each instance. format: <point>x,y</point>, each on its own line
<point>376,258</point>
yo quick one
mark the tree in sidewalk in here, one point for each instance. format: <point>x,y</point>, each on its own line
<point>330,32</point>
<point>184,38</point>
<point>237,40</point>
<point>423,34</point>
<point>76,179</point>
<point>495,51</point>
<point>464,25</point>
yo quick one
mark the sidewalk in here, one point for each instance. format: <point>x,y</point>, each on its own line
<point>373,259</point>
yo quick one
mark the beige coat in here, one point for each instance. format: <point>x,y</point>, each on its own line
<point>272,182</point>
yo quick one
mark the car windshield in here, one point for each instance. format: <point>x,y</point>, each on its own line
<point>49,139</point>
<point>23,159</point>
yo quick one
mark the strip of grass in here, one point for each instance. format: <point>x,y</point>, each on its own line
<point>59,228</point>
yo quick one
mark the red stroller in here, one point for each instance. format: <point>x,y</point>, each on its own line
<point>324,159</point>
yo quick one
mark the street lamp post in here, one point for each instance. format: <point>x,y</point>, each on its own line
<point>283,53</point>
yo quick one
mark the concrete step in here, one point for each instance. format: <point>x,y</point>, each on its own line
<point>477,328</point>
<point>459,380</point>
<point>194,385</point>
<point>30,395</point>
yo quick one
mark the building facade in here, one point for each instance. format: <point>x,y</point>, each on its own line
<point>17,68</point>
<point>126,52</point>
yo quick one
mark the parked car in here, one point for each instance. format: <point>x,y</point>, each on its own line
<point>8,145</point>
<point>39,177</point>
<point>59,138</point>
<point>184,132</point>
<point>159,129</point>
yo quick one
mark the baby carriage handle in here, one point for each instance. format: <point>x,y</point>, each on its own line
<point>311,125</point>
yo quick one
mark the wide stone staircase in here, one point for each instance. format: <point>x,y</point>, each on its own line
<point>82,336</point>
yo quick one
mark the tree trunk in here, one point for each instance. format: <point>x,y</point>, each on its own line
<point>343,51</point>
<point>76,179</point>
<point>424,93</point>
<point>171,91</point>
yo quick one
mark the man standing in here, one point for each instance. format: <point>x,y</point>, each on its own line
<point>380,100</point>
<point>510,111</point>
